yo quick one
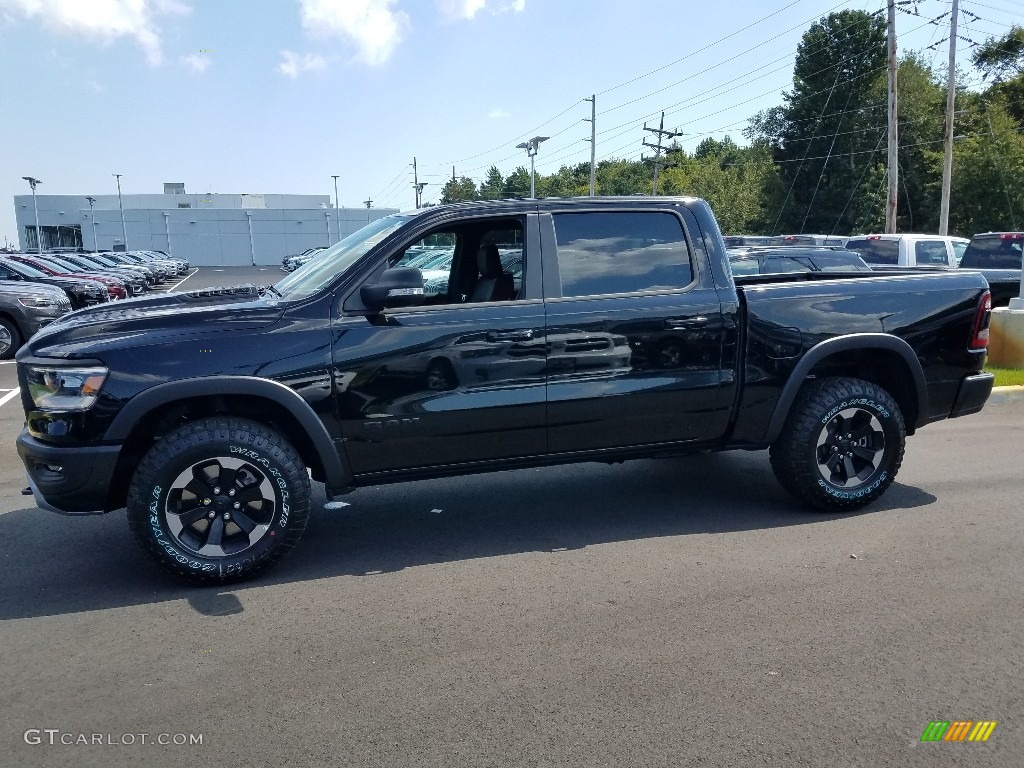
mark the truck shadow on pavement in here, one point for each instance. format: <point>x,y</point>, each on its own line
<point>52,565</point>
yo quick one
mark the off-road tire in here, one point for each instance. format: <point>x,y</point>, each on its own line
<point>803,463</point>
<point>263,471</point>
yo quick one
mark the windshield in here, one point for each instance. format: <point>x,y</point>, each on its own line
<point>26,270</point>
<point>315,274</point>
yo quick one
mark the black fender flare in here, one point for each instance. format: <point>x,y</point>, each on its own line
<point>849,342</point>
<point>338,475</point>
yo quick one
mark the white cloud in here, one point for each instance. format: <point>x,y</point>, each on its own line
<point>456,10</point>
<point>103,21</point>
<point>497,114</point>
<point>293,63</point>
<point>196,63</point>
<point>461,9</point>
<point>370,25</point>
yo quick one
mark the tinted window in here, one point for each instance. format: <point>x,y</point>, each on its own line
<point>744,266</point>
<point>774,265</point>
<point>993,252</point>
<point>840,262</point>
<point>931,252</point>
<point>603,253</point>
<point>792,240</point>
<point>877,251</point>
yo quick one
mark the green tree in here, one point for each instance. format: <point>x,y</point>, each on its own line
<point>1001,61</point>
<point>493,184</point>
<point>822,137</point>
<point>987,167</point>
<point>461,189</point>
<point>517,184</point>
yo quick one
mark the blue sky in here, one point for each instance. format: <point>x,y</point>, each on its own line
<point>231,96</point>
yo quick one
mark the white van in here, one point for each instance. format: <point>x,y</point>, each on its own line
<point>909,250</point>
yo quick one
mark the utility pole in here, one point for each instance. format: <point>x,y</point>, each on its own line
<point>32,181</point>
<point>656,161</point>
<point>890,204</point>
<point>593,140</point>
<point>124,229</point>
<point>947,158</point>
<point>337,213</point>
<point>416,185</point>
<point>92,215</point>
<point>368,203</point>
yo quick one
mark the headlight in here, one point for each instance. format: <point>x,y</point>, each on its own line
<point>64,389</point>
<point>33,301</point>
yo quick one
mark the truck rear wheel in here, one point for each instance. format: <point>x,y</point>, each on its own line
<point>219,500</point>
<point>842,444</point>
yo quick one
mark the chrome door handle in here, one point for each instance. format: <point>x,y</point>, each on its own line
<point>680,323</point>
<point>509,335</point>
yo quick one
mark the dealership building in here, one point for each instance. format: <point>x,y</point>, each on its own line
<point>207,229</point>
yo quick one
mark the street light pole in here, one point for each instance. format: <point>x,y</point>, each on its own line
<point>531,151</point>
<point>252,247</point>
<point>124,229</point>
<point>337,212</point>
<point>92,215</point>
<point>32,181</point>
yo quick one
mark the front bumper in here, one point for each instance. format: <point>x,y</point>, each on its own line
<point>974,391</point>
<point>69,480</point>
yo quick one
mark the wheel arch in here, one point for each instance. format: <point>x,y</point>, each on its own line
<point>161,408</point>
<point>888,361</point>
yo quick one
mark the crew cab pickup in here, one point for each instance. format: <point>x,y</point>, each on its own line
<point>592,329</point>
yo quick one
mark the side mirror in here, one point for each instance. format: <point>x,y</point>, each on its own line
<point>397,287</point>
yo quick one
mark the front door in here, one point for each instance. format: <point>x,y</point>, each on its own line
<point>460,379</point>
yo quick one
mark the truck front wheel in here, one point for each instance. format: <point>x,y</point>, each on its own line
<point>842,444</point>
<point>219,500</point>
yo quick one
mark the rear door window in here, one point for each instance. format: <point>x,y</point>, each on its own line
<point>603,253</point>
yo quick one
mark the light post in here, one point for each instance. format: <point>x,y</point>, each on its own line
<point>252,247</point>
<point>92,215</point>
<point>167,231</point>
<point>32,181</point>
<point>337,212</point>
<point>124,229</point>
<point>531,150</point>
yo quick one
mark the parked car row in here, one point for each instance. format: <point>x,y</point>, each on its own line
<point>296,260</point>
<point>80,279</point>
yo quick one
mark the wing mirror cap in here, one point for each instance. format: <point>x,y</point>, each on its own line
<point>397,287</point>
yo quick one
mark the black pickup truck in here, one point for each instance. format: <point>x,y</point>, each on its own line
<point>593,329</point>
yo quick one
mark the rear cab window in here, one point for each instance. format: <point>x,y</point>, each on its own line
<point>884,252</point>
<point>931,252</point>
<point>609,252</point>
<point>996,251</point>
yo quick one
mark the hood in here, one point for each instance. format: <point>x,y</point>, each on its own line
<point>155,319</point>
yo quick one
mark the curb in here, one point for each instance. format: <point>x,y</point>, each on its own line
<point>1007,395</point>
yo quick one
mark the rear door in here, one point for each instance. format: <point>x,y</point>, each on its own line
<point>634,330</point>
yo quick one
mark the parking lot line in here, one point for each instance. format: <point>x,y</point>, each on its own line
<point>186,277</point>
<point>10,395</point>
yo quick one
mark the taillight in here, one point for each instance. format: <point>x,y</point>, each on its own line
<point>1012,236</point>
<point>979,339</point>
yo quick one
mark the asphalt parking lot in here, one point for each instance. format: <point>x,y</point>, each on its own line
<point>673,612</point>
